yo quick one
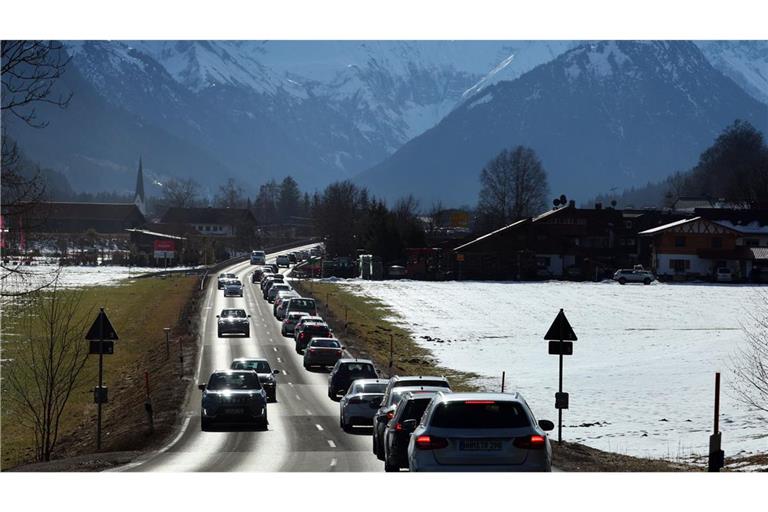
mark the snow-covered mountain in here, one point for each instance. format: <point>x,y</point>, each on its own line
<point>745,62</point>
<point>319,110</point>
<point>602,115</point>
<point>254,110</point>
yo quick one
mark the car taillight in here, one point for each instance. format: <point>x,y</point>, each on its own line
<point>479,401</point>
<point>398,427</point>
<point>301,336</point>
<point>311,351</point>
<point>430,443</point>
<point>532,442</point>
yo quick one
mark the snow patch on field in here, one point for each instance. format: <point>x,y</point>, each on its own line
<point>34,276</point>
<point>641,380</point>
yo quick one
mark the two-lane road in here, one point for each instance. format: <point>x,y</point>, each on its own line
<point>303,434</point>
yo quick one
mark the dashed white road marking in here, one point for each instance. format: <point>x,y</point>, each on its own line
<point>279,360</point>
<point>290,383</point>
<point>308,412</point>
<point>319,427</point>
<point>333,463</point>
<point>274,348</point>
<point>298,397</point>
<point>331,443</point>
<point>285,373</point>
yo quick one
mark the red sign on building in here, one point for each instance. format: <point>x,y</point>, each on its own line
<point>165,245</point>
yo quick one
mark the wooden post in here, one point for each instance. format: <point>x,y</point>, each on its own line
<point>503,376</point>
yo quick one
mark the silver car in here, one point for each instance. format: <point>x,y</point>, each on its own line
<point>359,405</point>
<point>479,432</point>
<point>233,289</point>
<point>322,352</point>
<point>233,396</point>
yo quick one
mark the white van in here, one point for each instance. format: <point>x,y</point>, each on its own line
<point>258,258</point>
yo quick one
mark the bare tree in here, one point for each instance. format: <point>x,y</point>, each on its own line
<point>29,72</point>
<point>514,185</point>
<point>180,193</point>
<point>435,217</point>
<point>230,195</point>
<point>750,366</point>
<point>46,366</point>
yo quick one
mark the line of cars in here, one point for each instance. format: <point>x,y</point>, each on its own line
<point>416,422</point>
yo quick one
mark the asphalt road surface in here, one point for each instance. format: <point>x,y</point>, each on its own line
<point>304,432</point>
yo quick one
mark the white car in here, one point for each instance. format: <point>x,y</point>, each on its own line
<point>360,403</point>
<point>479,432</point>
<point>628,275</point>
<point>723,275</point>
<point>283,261</point>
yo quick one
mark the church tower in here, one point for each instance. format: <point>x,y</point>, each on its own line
<point>138,199</point>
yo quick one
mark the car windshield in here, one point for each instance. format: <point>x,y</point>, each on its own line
<point>235,283</point>
<point>371,387</point>
<point>473,414</point>
<point>258,366</point>
<point>325,343</point>
<point>245,380</point>
<point>233,313</point>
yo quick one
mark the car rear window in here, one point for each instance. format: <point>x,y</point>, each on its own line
<point>325,343</point>
<point>421,382</point>
<point>220,381</point>
<point>233,313</point>
<point>302,303</point>
<point>358,369</point>
<point>481,414</point>
<point>258,366</point>
<point>373,387</point>
<point>316,329</point>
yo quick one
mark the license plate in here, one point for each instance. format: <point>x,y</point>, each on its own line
<point>480,445</point>
<point>233,410</point>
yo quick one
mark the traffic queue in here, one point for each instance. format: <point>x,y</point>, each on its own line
<point>416,422</point>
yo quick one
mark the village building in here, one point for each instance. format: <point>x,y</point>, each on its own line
<point>563,243</point>
<point>696,247</point>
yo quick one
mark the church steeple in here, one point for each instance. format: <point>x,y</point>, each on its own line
<point>139,197</point>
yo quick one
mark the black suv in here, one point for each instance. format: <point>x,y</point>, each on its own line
<point>265,372</point>
<point>233,321</point>
<point>345,371</point>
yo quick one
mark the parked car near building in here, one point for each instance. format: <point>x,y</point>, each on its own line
<point>723,275</point>
<point>628,275</point>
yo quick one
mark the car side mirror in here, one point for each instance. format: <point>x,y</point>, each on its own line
<point>546,425</point>
<point>276,372</point>
<point>218,316</point>
<point>249,316</point>
<point>201,387</point>
<point>409,424</point>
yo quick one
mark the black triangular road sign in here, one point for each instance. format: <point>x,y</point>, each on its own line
<point>561,329</point>
<point>101,329</point>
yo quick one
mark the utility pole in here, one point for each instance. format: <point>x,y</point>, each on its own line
<point>716,455</point>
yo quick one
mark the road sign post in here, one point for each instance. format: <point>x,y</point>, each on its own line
<point>561,338</point>
<point>716,454</point>
<point>101,337</point>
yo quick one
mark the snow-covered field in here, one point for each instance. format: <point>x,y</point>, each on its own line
<point>641,380</point>
<point>34,276</point>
